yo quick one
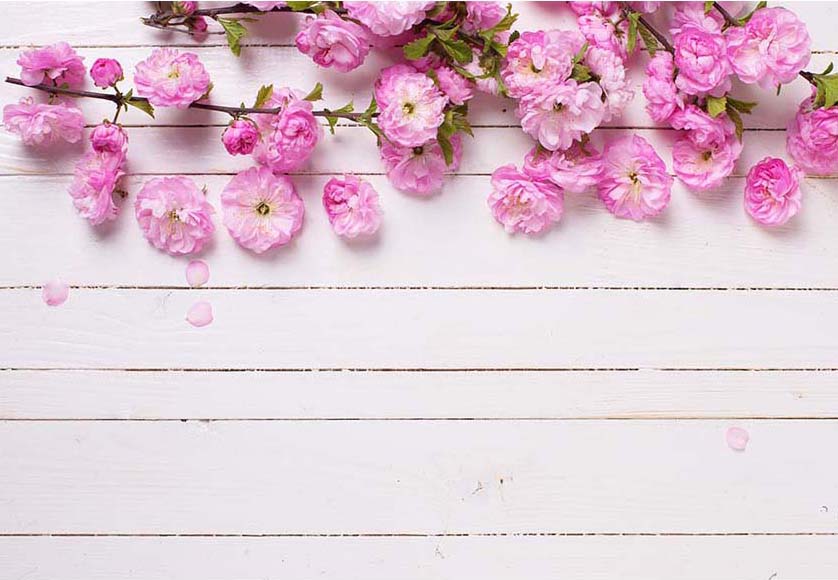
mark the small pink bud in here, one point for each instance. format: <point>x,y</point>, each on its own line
<point>108,137</point>
<point>55,292</point>
<point>106,72</point>
<point>240,137</point>
<point>184,8</point>
<point>200,314</point>
<point>737,438</point>
<point>197,273</point>
<point>198,25</point>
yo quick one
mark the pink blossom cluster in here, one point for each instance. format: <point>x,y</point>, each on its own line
<point>97,174</point>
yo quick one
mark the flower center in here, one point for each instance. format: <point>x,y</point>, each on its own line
<point>633,177</point>
<point>557,107</point>
<point>418,150</point>
<point>173,216</point>
<point>263,208</point>
<point>174,73</point>
<point>707,155</point>
<point>408,108</point>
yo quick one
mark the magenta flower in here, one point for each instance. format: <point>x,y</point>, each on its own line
<point>331,41</point>
<point>706,154</point>
<point>169,78</point>
<point>412,106</point>
<point>174,215</point>
<point>388,18</point>
<point>561,114</point>
<point>109,137</point>
<point>770,49</point>
<point>634,182</point>
<point>240,137</point>
<point>95,179</point>
<point>574,170</point>
<point>662,96</point>
<point>605,8</point>
<point>289,137</point>
<point>261,210</point>
<point>772,192</point>
<point>812,138</point>
<point>701,60</point>
<point>419,170</point>
<point>106,72</point>
<point>523,204</point>
<point>41,124</point>
<point>57,64</point>
<point>352,206</point>
<point>537,60</point>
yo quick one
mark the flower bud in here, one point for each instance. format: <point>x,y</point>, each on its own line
<point>108,137</point>
<point>106,72</point>
<point>184,8</point>
<point>240,137</point>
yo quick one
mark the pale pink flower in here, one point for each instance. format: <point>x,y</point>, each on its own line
<point>267,6</point>
<point>539,59</point>
<point>240,137</point>
<point>169,78</point>
<point>109,137</point>
<point>737,438</point>
<point>634,182</point>
<point>561,114</point>
<point>197,273</point>
<point>55,293</point>
<point>662,96</point>
<point>772,192</point>
<point>106,72</point>
<point>388,18</point>
<point>705,155</point>
<point>770,49</point>
<point>42,124</point>
<point>456,87</point>
<point>289,137</point>
<point>57,64</point>
<point>645,7</point>
<point>174,215</point>
<point>701,60</point>
<point>601,32</point>
<point>352,206</point>
<point>331,41</point>
<point>261,210</point>
<point>483,15</point>
<point>522,203</point>
<point>693,14</point>
<point>605,8</point>
<point>812,138</point>
<point>199,314</point>
<point>95,179</point>
<point>611,72</point>
<point>419,170</point>
<point>703,128</point>
<point>574,170</point>
<point>412,106</point>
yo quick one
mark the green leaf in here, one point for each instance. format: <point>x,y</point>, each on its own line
<point>447,148</point>
<point>419,47</point>
<point>740,106</point>
<point>265,92</point>
<point>649,40</point>
<point>744,20</point>
<point>371,109</point>
<point>827,95</point>
<point>316,93</point>
<point>716,105</point>
<point>444,134</point>
<point>827,70</point>
<point>579,56</point>
<point>300,6</point>
<point>737,121</point>
<point>332,120</point>
<point>631,43</point>
<point>708,6</point>
<point>142,105</point>
<point>459,50</point>
<point>581,73</point>
<point>235,31</point>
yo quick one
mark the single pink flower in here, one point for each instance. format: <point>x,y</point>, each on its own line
<point>456,87</point>
<point>57,64</point>
<point>240,137</point>
<point>333,42</point>
<point>523,204</point>
<point>199,27</point>
<point>600,31</point>
<point>197,273</point>
<point>412,106</point>
<point>41,124</point>
<point>634,182</point>
<point>199,314</point>
<point>604,8</point>
<point>95,180</point>
<point>109,137</point>
<point>574,170</point>
<point>169,78</point>
<point>288,138</point>
<point>388,18</point>
<point>608,67</point>
<point>538,60</point>
<point>55,293</point>
<point>701,60</point>
<point>106,72</point>
<point>662,96</point>
<point>261,210</point>
<point>693,14</point>
<point>352,206</point>
<point>770,49</point>
<point>772,192</point>
<point>483,15</point>
<point>419,170</point>
<point>812,138</point>
<point>705,155</point>
<point>174,215</point>
<point>561,114</point>
<point>737,438</point>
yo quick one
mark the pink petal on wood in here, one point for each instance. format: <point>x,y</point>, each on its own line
<point>200,314</point>
<point>55,292</point>
<point>737,438</point>
<point>197,273</point>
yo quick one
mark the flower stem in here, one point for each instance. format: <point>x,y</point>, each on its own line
<point>731,21</point>
<point>641,20</point>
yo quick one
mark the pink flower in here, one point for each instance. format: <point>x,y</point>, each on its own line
<point>524,204</point>
<point>388,18</point>
<point>200,314</point>
<point>772,192</point>
<point>419,170</point>
<point>57,64</point>
<point>575,170</point>
<point>55,293</point>
<point>169,78</point>
<point>701,60</point>
<point>198,25</point>
<point>706,154</point>
<point>288,138</point>
<point>352,206</point>
<point>601,32</point>
<point>634,181</point>
<point>267,6</point>
<point>483,15</point>
<point>662,96</point>
<point>184,8</point>
<point>812,138</point>
<point>109,137</point>
<point>539,59</point>
<point>334,42</point>
<point>693,14</point>
<point>645,7</point>
<point>561,114</point>
<point>605,8</point>
<point>771,49</point>
<point>456,87</point>
<point>611,71</point>
<point>412,107</point>
<point>261,210</point>
<point>41,124</point>
<point>95,178</point>
<point>197,273</point>
<point>174,215</point>
<point>240,137</point>
<point>106,72</point>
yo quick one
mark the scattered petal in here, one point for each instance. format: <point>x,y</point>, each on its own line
<point>737,438</point>
<point>200,314</point>
<point>55,292</point>
<point>197,273</point>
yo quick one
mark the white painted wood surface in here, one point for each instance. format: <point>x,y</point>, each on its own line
<point>445,401</point>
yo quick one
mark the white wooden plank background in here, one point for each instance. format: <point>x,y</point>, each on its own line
<point>445,401</point>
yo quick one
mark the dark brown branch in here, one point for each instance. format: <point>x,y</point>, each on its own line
<point>731,21</point>
<point>641,20</point>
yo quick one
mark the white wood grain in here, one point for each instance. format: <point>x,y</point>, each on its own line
<point>535,558</point>
<point>641,394</point>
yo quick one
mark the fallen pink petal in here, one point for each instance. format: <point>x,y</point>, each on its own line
<point>55,292</point>
<point>197,273</point>
<point>737,438</point>
<point>200,314</point>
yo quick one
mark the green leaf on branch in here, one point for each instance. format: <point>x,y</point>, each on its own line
<point>142,105</point>
<point>649,40</point>
<point>744,20</point>
<point>262,97</point>
<point>235,31</point>
<point>745,107</point>
<point>300,6</point>
<point>631,42</point>
<point>827,88</point>
<point>371,110</point>
<point>716,106</point>
<point>737,121</point>
<point>419,47</point>
<point>581,73</point>
<point>459,50</point>
<point>316,93</point>
<point>579,56</point>
<point>333,120</point>
<point>708,6</point>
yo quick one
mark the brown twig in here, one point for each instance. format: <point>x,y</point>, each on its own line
<point>641,20</point>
